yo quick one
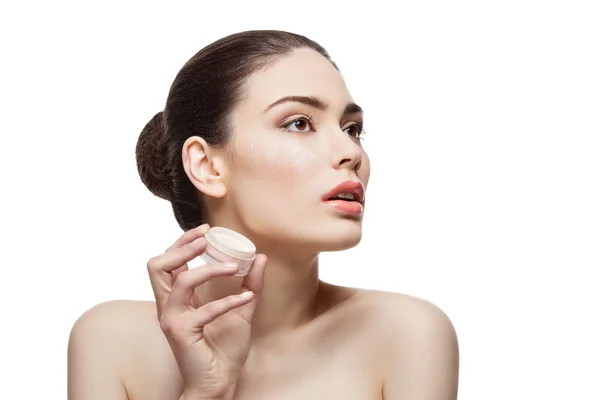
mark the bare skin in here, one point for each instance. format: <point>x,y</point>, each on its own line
<point>357,348</point>
<point>309,339</point>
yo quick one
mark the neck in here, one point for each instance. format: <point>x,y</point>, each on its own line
<point>288,299</point>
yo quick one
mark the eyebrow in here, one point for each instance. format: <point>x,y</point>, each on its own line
<point>315,102</point>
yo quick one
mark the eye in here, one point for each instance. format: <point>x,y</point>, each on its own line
<point>302,125</point>
<point>355,131</point>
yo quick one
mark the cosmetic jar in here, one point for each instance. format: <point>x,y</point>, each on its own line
<point>225,245</point>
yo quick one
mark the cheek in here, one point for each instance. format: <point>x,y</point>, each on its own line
<point>292,160</point>
<point>280,163</point>
<point>270,180</point>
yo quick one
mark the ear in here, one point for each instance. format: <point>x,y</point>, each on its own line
<point>204,166</point>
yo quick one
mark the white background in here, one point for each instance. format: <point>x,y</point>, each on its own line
<point>483,127</point>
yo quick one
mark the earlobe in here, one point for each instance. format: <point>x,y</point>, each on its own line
<point>202,164</point>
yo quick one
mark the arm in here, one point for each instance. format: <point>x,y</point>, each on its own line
<point>93,356</point>
<point>423,360</point>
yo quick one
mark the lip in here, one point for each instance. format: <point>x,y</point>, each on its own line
<point>349,186</point>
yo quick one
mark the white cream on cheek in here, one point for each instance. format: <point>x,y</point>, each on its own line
<point>299,159</point>
<point>280,162</point>
<point>270,170</point>
<point>292,158</point>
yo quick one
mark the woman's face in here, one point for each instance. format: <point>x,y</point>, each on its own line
<point>286,155</point>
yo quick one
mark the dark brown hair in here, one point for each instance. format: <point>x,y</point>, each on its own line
<point>202,96</point>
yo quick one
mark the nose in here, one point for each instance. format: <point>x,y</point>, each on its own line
<point>346,153</point>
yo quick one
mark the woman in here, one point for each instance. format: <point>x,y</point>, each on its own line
<point>257,131</point>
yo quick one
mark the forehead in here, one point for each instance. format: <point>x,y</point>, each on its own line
<point>304,72</point>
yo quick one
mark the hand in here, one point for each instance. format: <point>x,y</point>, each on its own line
<point>210,341</point>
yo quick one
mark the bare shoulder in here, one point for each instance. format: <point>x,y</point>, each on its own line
<point>115,329</point>
<point>404,312</point>
<point>117,319</point>
<point>408,313</point>
<point>404,319</point>
<point>119,343</point>
<point>416,343</point>
<point>116,308</point>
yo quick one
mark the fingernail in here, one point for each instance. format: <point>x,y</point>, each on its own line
<point>247,294</point>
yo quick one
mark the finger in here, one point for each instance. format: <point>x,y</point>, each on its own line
<point>183,288</point>
<point>177,257</point>
<point>160,269</point>
<point>178,271</point>
<point>255,279</point>
<point>211,311</point>
<point>190,236</point>
<point>253,282</point>
<point>194,301</point>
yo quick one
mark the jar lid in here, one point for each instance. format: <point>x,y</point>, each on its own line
<point>231,243</point>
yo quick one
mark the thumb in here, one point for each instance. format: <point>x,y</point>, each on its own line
<point>254,282</point>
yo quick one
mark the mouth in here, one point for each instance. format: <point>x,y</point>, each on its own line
<point>349,197</point>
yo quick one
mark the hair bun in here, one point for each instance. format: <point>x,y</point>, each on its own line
<point>151,158</point>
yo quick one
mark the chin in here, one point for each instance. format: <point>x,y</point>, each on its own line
<point>342,239</point>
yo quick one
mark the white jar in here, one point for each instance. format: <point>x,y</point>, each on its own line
<point>225,245</point>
